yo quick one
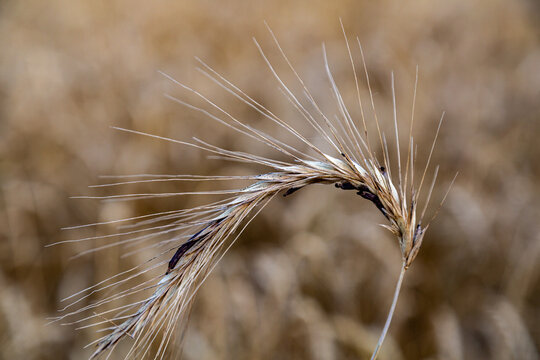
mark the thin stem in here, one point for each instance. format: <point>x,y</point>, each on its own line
<point>390,313</point>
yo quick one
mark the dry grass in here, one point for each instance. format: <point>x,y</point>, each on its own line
<point>199,237</point>
<point>312,275</point>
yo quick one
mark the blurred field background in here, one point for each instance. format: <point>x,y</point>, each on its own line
<point>312,276</point>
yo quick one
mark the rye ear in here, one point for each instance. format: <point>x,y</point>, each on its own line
<point>190,242</point>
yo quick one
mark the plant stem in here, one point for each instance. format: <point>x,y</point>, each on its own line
<point>390,313</point>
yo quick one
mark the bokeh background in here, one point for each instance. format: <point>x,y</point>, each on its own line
<point>312,276</point>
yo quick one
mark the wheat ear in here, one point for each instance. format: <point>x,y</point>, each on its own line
<point>192,241</point>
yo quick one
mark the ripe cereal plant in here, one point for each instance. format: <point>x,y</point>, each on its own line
<point>188,243</point>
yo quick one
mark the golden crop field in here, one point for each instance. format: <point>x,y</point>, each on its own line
<point>312,276</point>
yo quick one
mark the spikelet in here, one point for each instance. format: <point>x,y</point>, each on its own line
<point>207,232</point>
